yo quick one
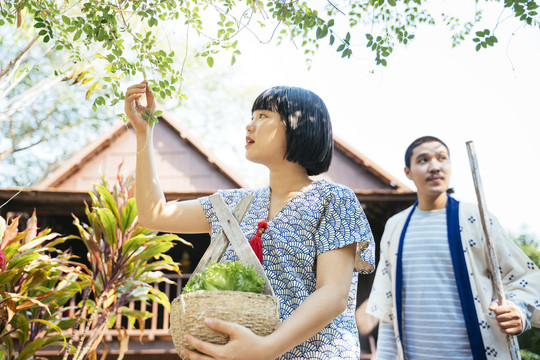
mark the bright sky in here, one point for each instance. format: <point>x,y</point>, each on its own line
<point>457,94</point>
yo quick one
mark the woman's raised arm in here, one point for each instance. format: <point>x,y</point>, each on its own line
<point>153,210</point>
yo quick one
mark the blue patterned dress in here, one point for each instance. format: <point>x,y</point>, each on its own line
<point>323,216</point>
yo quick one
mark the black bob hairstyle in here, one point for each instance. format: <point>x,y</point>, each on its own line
<point>310,141</point>
<point>418,142</point>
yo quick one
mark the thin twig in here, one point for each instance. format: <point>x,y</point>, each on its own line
<point>14,61</point>
<point>18,192</point>
<point>335,7</point>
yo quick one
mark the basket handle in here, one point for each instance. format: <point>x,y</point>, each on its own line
<point>219,241</point>
<point>238,240</point>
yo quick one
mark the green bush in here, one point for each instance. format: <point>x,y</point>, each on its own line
<point>529,341</point>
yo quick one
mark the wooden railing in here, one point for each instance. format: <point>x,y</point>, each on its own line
<point>157,327</point>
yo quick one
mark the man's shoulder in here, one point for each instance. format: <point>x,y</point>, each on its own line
<point>468,208</point>
<point>399,217</point>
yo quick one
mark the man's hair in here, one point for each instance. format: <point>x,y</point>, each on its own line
<point>310,141</point>
<point>418,142</point>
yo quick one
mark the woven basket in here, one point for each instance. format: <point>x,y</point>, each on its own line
<point>257,312</point>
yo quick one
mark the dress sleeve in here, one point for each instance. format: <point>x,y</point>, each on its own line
<point>343,223</point>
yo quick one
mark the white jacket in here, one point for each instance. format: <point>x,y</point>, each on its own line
<point>520,277</point>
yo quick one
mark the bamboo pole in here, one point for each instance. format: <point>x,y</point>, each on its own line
<point>494,264</point>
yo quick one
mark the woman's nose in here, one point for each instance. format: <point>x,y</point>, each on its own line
<point>250,126</point>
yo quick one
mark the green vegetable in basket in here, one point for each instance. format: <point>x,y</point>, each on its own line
<point>228,275</point>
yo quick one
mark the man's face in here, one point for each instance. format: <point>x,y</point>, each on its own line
<point>430,168</point>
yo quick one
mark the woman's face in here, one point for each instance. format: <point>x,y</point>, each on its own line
<point>265,138</point>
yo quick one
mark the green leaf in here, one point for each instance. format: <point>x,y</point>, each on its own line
<point>22,261</point>
<point>134,243</point>
<point>210,61</point>
<point>109,200</point>
<point>77,35</point>
<point>153,250</point>
<point>111,321</point>
<point>30,349</point>
<point>129,212</point>
<point>392,2</point>
<point>108,223</point>
<point>67,324</point>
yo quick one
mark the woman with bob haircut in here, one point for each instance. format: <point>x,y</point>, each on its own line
<point>317,238</point>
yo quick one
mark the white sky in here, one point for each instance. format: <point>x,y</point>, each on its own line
<point>457,94</point>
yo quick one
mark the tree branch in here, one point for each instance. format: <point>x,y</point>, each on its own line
<point>14,61</point>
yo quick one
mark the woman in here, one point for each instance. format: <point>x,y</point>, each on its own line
<point>317,233</point>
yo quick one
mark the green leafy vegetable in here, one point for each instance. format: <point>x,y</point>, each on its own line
<point>228,275</point>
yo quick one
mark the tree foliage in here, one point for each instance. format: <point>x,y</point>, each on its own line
<point>42,118</point>
<point>123,38</point>
<point>60,55</point>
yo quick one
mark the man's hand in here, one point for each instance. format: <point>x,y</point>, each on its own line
<point>508,316</point>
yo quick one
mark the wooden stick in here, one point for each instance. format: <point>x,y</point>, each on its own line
<point>494,264</point>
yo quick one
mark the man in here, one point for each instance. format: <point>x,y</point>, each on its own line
<point>433,292</point>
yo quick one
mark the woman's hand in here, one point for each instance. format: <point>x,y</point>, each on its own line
<point>134,109</point>
<point>508,316</point>
<point>243,344</point>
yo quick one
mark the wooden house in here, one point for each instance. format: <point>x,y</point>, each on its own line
<point>187,170</point>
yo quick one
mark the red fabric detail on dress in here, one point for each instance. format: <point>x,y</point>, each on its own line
<point>256,242</point>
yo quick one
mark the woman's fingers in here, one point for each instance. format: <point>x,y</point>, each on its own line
<point>206,350</point>
<point>149,98</point>
<point>221,326</point>
<point>133,106</point>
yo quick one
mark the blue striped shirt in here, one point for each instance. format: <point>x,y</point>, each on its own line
<point>433,323</point>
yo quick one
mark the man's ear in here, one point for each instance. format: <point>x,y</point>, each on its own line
<point>407,172</point>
